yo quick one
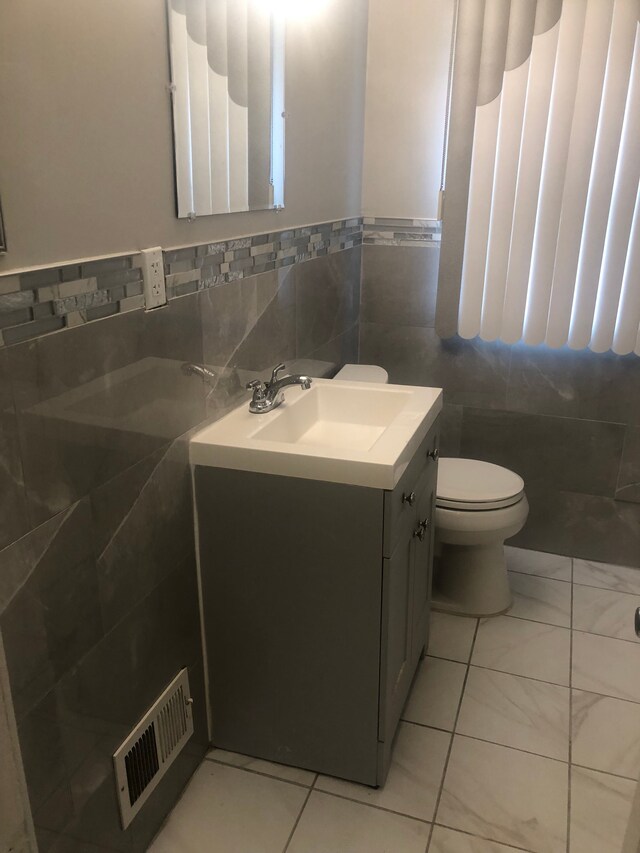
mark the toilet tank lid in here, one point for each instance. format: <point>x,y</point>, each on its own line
<point>362,373</point>
<point>472,481</point>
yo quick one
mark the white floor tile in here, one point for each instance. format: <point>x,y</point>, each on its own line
<point>435,694</point>
<point>449,841</point>
<point>332,825</point>
<point>451,637</point>
<point>419,756</point>
<point>225,810</point>
<point>603,665</point>
<point>606,734</point>
<point>505,795</point>
<point>524,648</point>
<point>279,771</point>
<point>540,599</point>
<point>604,611</point>
<point>606,576</point>
<point>517,712</point>
<point>538,563</point>
<point>600,808</point>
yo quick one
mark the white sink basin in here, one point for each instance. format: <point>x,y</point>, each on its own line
<point>343,432</point>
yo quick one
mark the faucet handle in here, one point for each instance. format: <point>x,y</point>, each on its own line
<point>257,386</point>
<point>274,373</point>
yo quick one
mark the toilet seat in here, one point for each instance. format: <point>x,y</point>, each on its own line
<point>472,485</point>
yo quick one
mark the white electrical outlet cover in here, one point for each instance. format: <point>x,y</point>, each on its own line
<point>155,293</point>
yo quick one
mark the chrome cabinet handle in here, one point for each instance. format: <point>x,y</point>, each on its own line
<point>409,499</point>
<point>636,622</point>
<point>421,530</point>
<point>434,454</point>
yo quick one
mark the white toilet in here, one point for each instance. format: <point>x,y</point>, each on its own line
<point>478,506</point>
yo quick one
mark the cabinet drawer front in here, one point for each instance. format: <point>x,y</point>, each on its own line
<point>399,505</point>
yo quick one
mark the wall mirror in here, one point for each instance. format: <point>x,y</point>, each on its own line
<point>227,84</point>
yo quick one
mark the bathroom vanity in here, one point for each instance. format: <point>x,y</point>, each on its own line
<point>315,527</point>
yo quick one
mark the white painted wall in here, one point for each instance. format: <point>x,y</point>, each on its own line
<point>407,73</point>
<point>86,152</point>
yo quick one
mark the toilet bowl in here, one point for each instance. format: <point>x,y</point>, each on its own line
<point>478,506</point>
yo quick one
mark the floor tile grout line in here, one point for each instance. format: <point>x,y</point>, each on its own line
<point>453,734</point>
<point>481,837</point>
<point>258,773</point>
<point>371,805</point>
<point>539,577</point>
<point>297,821</point>
<point>570,720</point>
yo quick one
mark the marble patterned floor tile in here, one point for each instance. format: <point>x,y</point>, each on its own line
<point>600,809</point>
<point>242,811</point>
<point>268,768</point>
<point>521,647</point>
<point>603,665</point>
<point>506,796</point>
<point>446,840</point>
<point>604,611</point>
<point>333,824</point>
<point>415,775</point>
<point>606,576</point>
<point>435,694</point>
<point>517,712</point>
<point>540,599</point>
<point>538,563</point>
<point>605,734</point>
<point>451,637</point>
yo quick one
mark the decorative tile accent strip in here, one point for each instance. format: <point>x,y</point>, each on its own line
<point>380,231</point>
<point>200,267</point>
<point>36,303</point>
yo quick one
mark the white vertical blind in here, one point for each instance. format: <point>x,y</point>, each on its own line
<point>551,249</point>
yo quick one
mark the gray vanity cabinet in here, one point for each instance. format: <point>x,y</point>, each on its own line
<point>315,600</point>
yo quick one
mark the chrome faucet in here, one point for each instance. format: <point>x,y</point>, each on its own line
<point>268,395</point>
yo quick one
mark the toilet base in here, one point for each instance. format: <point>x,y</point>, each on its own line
<point>471,580</point>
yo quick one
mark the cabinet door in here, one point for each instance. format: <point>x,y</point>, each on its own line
<point>422,571</point>
<point>396,647</point>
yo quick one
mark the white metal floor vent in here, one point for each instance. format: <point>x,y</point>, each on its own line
<point>145,756</point>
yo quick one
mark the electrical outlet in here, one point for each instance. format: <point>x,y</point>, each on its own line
<point>155,293</point>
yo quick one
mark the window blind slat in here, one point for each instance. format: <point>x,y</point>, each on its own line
<point>563,96</point>
<point>574,200</point>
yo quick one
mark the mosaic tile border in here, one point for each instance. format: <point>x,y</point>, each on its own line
<point>385,231</point>
<point>37,303</point>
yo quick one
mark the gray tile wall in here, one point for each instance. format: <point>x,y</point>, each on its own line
<point>568,422</point>
<point>36,303</point>
<point>98,598</point>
